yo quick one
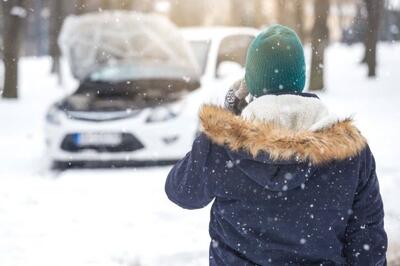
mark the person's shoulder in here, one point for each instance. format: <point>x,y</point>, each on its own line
<point>215,152</point>
<point>367,157</point>
<point>364,163</point>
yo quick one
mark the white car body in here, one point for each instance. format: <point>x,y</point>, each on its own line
<point>166,140</point>
<point>214,87</point>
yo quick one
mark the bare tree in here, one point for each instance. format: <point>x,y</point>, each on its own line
<point>56,20</point>
<point>244,13</point>
<point>105,4</point>
<point>320,39</point>
<point>80,7</point>
<point>259,13</point>
<point>374,10</point>
<point>282,11</point>
<point>143,5</point>
<point>291,13</point>
<point>187,12</point>
<point>236,11</point>
<point>13,17</point>
<point>299,18</point>
<point>128,4</point>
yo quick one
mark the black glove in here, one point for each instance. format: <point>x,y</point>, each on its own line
<point>235,99</point>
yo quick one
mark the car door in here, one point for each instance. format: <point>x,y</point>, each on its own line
<point>230,63</point>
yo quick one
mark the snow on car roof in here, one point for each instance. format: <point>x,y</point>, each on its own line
<point>96,40</point>
<point>210,33</point>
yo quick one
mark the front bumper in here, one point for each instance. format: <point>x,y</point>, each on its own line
<point>164,141</point>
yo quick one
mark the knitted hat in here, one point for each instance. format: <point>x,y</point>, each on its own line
<point>275,62</point>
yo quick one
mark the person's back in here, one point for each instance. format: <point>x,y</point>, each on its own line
<point>292,184</point>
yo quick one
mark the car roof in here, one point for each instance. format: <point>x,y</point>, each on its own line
<point>210,33</point>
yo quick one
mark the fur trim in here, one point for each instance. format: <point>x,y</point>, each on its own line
<point>339,141</point>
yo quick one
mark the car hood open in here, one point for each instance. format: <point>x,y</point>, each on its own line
<point>94,41</point>
<point>128,96</point>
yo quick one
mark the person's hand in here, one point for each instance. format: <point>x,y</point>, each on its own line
<point>235,99</point>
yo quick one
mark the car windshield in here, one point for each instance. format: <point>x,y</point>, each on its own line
<point>141,71</point>
<point>200,50</point>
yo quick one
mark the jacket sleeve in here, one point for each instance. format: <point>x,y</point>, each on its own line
<point>187,184</point>
<point>365,238</point>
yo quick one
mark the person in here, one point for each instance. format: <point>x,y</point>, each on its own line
<point>292,183</point>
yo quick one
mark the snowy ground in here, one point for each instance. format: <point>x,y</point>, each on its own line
<point>122,217</point>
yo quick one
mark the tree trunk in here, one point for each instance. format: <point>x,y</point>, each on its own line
<point>299,18</point>
<point>13,16</point>
<point>56,21</point>
<point>80,7</point>
<point>145,6</point>
<point>374,10</point>
<point>237,10</point>
<point>127,4</point>
<point>282,12</point>
<point>41,34</point>
<point>105,4</point>
<point>259,13</point>
<point>244,13</point>
<point>187,13</point>
<point>320,39</point>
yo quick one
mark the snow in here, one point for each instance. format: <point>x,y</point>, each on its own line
<point>122,217</point>
<point>394,4</point>
<point>18,11</point>
<point>98,40</point>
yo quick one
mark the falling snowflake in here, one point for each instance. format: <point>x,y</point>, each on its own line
<point>18,11</point>
<point>288,176</point>
<point>229,164</point>
<point>214,243</point>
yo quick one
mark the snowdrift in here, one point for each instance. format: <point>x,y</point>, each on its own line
<point>93,41</point>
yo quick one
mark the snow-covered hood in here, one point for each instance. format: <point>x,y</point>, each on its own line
<point>93,41</point>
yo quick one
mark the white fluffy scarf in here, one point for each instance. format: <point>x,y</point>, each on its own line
<point>294,112</point>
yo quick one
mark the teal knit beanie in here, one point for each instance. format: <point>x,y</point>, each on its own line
<point>275,63</point>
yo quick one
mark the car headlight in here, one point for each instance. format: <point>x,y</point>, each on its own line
<point>53,116</point>
<point>164,113</point>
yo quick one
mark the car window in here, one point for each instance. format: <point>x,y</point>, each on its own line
<point>200,50</point>
<point>234,48</point>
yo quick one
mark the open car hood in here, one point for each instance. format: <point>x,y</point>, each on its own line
<point>95,41</point>
<point>127,97</point>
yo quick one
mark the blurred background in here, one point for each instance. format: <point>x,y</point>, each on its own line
<point>99,97</point>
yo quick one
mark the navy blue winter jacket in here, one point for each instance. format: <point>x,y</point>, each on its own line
<point>297,190</point>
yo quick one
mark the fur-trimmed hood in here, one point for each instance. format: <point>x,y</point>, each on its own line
<point>286,128</point>
<point>264,206</point>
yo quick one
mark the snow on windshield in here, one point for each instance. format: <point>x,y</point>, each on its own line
<point>98,44</point>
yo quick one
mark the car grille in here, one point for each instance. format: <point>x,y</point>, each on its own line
<point>101,116</point>
<point>128,144</point>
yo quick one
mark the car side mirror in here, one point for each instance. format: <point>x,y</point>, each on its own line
<point>228,68</point>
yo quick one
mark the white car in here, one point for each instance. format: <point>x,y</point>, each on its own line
<point>221,53</point>
<point>144,120</point>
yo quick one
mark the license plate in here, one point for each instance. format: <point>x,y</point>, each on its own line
<point>97,139</point>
